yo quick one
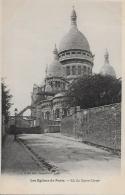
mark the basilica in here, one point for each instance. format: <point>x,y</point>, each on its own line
<point>73,59</point>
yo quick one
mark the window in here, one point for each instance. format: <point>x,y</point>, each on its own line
<point>78,52</point>
<point>63,54</point>
<point>63,85</point>
<point>64,112</point>
<point>47,115</point>
<point>84,53</point>
<point>73,70</point>
<point>73,52</point>
<point>79,69</point>
<point>84,68</point>
<point>67,53</point>
<point>56,83</point>
<point>57,113</point>
<point>51,84</point>
<point>68,70</point>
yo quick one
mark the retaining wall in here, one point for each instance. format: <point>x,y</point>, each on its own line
<point>100,125</point>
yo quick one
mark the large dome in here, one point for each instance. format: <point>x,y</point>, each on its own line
<point>55,69</point>
<point>74,39</point>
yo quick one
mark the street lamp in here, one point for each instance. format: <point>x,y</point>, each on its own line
<point>115,130</point>
<point>85,117</point>
<point>15,123</point>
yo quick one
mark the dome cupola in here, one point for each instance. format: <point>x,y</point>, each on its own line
<point>107,69</point>
<point>74,52</point>
<point>74,39</point>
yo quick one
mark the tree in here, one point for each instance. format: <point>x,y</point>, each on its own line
<point>96,90</point>
<point>6,100</point>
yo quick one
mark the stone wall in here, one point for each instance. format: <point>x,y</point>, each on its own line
<point>100,125</point>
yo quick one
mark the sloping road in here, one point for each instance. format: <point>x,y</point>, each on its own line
<point>71,157</point>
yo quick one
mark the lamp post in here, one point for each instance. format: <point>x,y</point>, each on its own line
<point>85,117</point>
<point>15,123</point>
<point>115,130</point>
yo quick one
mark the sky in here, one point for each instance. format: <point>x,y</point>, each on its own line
<point>32,27</point>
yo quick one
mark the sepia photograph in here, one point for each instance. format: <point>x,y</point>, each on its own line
<point>61,90</point>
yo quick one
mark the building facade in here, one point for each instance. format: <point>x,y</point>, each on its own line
<point>73,59</point>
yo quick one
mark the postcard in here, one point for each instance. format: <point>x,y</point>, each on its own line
<point>62,97</point>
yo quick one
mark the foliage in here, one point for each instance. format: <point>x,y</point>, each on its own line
<point>6,100</point>
<point>95,90</point>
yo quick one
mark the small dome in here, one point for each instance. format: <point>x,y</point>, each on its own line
<point>107,69</point>
<point>74,39</point>
<point>55,68</point>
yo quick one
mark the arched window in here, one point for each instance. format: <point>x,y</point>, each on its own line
<point>56,84</point>
<point>47,115</point>
<point>64,112</point>
<point>57,113</point>
<point>51,84</point>
<point>79,70</point>
<point>67,70</point>
<point>84,68</point>
<point>73,70</point>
